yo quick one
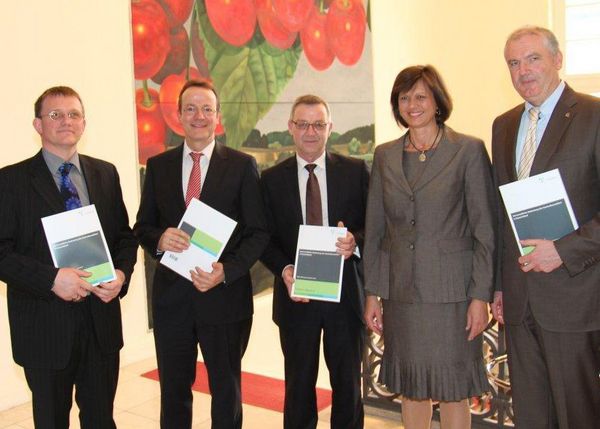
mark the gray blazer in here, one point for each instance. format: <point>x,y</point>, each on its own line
<point>433,243</point>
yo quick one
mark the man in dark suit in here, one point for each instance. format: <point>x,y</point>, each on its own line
<point>215,309</point>
<point>64,332</point>
<point>342,193</point>
<point>550,298</point>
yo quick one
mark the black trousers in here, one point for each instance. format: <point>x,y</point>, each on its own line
<point>554,377</point>
<point>94,375</point>
<point>342,348</point>
<point>223,347</point>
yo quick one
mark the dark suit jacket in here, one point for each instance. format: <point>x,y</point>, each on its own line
<point>231,187</point>
<point>347,185</point>
<point>568,299</point>
<point>41,324</point>
<point>433,243</point>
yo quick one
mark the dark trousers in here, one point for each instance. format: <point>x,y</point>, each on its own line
<point>94,375</point>
<point>554,377</point>
<point>342,348</point>
<point>222,347</point>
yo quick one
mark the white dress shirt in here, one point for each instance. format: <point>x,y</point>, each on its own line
<point>321,177</point>
<point>188,163</point>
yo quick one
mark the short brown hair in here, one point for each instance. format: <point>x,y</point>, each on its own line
<point>310,99</point>
<point>198,84</point>
<point>55,91</point>
<point>408,77</point>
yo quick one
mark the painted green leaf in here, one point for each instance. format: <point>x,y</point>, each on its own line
<point>248,79</point>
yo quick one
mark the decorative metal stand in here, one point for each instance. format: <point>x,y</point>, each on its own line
<point>492,410</point>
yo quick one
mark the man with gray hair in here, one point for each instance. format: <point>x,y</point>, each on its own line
<point>549,299</point>
<point>315,187</point>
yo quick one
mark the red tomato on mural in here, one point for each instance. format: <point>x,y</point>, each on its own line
<point>150,37</point>
<point>177,59</point>
<point>314,41</point>
<point>271,27</point>
<point>178,11</point>
<point>233,20</point>
<point>169,93</point>
<point>346,24</point>
<point>293,14</point>
<point>151,126</point>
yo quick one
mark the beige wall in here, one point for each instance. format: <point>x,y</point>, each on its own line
<point>87,45</point>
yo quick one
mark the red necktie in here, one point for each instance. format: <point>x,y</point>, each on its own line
<point>314,212</point>
<point>194,184</point>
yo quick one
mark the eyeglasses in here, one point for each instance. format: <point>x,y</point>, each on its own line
<point>207,111</point>
<point>57,115</point>
<point>304,125</point>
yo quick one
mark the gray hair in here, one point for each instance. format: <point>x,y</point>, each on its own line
<point>548,36</point>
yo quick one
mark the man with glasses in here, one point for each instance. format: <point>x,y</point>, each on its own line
<point>64,332</point>
<point>214,310</point>
<point>319,188</point>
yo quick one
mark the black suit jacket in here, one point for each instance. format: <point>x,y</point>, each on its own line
<point>347,186</point>
<point>568,299</point>
<point>231,187</point>
<point>42,325</point>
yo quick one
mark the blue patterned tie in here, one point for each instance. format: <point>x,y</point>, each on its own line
<point>67,188</point>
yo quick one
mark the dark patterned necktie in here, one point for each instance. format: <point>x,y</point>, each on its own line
<point>67,189</point>
<point>314,211</point>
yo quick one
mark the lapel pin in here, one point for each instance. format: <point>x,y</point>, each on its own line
<point>568,115</point>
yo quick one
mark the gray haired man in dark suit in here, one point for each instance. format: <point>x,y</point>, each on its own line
<point>549,299</point>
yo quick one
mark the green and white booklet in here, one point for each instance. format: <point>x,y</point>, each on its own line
<point>76,240</point>
<point>538,207</point>
<point>209,232</point>
<point>318,269</point>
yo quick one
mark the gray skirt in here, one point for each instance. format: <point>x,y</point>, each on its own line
<point>427,354</point>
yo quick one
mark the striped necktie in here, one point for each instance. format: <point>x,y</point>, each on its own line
<point>194,185</point>
<point>528,153</point>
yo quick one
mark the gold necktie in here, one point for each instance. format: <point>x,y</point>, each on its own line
<point>528,153</point>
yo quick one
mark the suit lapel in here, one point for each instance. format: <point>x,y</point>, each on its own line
<point>92,179</point>
<point>293,191</point>
<point>44,184</point>
<point>510,143</point>
<point>335,185</point>
<point>172,175</point>
<point>395,160</point>
<point>442,155</point>
<point>557,125</point>
<point>217,170</point>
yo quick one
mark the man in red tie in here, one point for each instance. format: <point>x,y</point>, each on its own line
<point>316,187</point>
<point>214,310</point>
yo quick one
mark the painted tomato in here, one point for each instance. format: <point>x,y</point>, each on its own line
<point>178,11</point>
<point>293,14</point>
<point>314,41</point>
<point>233,20</point>
<point>150,38</point>
<point>271,27</point>
<point>151,127</point>
<point>346,24</point>
<point>177,58</point>
<point>169,93</point>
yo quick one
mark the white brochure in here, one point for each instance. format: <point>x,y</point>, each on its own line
<point>318,269</point>
<point>538,207</point>
<point>209,232</point>
<point>76,240</point>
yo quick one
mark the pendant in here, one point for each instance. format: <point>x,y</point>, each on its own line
<point>422,157</point>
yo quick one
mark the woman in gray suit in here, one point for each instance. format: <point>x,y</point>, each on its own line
<point>429,255</point>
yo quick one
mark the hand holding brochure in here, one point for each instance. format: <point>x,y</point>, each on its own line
<point>539,207</point>
<point>209,232</point>
<point>318,268</point>
<point>76,240</point>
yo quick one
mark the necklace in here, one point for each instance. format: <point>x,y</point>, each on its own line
<point>423,154</point>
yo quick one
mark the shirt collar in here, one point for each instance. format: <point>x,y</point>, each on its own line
<point>320,161</point>
<point>54,162</point>
<point>207,151</point>
<point>547,107</point>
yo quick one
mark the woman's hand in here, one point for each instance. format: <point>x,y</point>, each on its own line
<point>477,318</point>
<point>373,315</point>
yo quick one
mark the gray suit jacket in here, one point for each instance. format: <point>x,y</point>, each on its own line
<point>568,299</point>
<point>433,243</point>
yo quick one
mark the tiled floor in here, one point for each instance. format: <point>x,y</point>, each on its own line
<point>137,406</point>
